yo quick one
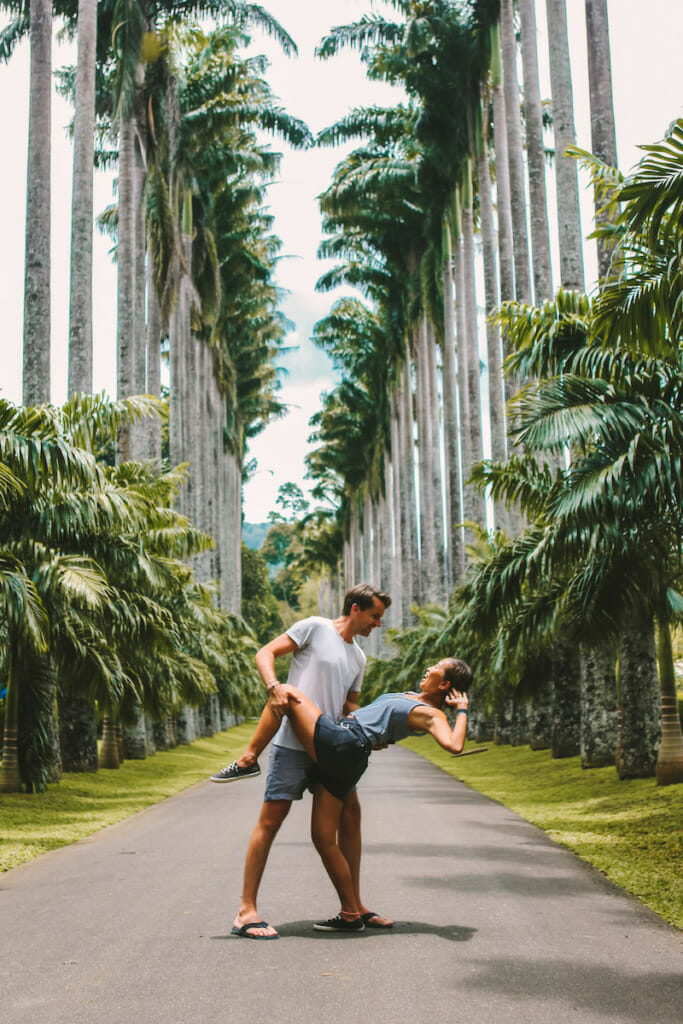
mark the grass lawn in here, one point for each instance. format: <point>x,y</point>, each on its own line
<point>631,831</point>
<point>31,824</point>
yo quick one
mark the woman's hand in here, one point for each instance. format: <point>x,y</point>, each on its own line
<point>457,699</point>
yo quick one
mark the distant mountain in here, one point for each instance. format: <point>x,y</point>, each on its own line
<point>253,534</point>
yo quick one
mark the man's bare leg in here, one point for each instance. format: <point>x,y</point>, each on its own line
<point>273,813</point>
<point>350,845</point>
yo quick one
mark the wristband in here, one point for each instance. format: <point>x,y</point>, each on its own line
<point>461,711</point>
<point>271,683</point>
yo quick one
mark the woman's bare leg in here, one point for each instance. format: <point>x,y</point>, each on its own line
<point>324,831</point>
<point>302,713</point>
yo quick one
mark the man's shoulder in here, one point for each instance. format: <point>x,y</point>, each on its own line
<point>306,627</point>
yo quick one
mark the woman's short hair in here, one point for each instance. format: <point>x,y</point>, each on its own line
<point>458,673</point>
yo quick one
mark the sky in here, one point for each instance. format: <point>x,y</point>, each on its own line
<point>646,42</point>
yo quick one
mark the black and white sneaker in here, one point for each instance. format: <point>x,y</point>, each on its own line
<point>340,924</point>
<point>234,771</point>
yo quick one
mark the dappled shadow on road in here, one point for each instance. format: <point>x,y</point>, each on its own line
<point>610,993</point>
<point>442,794</point>
<point>305,930</point>
<point>456,851</point>
<point>526,886</point>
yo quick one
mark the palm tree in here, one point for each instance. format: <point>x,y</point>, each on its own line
<point>535,150</point>
<point>80,309</point>
<point>36,373</point>
<point>567,188</point>
<point>514,140</point>
<point>603,131</point>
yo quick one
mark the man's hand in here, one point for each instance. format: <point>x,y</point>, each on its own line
<point>279,695</point>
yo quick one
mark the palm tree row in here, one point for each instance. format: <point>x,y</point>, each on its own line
<point>97,598</point>
<point>417,272</point>
<point>177,109</point>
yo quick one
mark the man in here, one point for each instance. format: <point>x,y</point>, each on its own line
<point>327,666</point>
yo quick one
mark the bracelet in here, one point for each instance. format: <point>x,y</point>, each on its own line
<point>461,711</point>
<point>271,683</point>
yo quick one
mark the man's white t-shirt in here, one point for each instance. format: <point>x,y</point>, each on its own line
<point>324,667</point>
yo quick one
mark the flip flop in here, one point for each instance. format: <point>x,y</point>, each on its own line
<point>368,919</point>
<point>245,931</point>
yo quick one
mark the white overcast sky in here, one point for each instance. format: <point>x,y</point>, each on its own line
<point>646,39</point>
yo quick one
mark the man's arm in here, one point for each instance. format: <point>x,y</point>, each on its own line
<point>351,702</point>
<point>265,662</point>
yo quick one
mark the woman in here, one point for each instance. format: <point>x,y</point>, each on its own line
<point>341,751</point>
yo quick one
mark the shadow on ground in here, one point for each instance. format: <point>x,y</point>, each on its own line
<point>305,930</point>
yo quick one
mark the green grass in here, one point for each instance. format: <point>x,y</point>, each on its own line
<point>631,831</point>
<point>84,803</point>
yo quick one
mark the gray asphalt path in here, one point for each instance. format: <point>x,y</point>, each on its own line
<point>494,922</point>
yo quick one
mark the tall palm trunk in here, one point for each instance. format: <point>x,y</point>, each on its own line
<point>138,431</point>
<point>491,299</point>
<point>454,514</point>
<point>437,459</point>
<point>639,714</point>
<point>77,724</point>
<point>515,152</point>
<point>463,355</point>
<point>566,175</point>
<point>392,475</point>
<point>603,131</point>
<point>669,767</point>
<point>10,779</point>
<point>134,736</point>
<point>154,331</point>
<point>110,756</point>
<point>533,116</point>
<point>80,308</point>
<point>598,707</point>
<point>409,552</point>
<point>77,733</point>
<point>36,359</point>
<point>500,141</point>
<point>474,501</point>
<point>428,556</point>
<point>126,276</point>
<point>566,670</point>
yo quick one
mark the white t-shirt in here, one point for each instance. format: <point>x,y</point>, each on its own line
<point>324,667</point>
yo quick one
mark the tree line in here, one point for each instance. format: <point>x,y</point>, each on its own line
<point>121,518</point>
<point>553,564</point>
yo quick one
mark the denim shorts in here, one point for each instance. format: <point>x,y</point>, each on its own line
<point>343,752</point>
<point>289,774</point>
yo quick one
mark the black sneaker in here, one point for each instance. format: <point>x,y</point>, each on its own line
<point>340,924</point>
<point>235,771</point>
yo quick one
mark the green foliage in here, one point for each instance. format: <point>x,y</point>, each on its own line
<point>93,571</point>
<point>259,604</point>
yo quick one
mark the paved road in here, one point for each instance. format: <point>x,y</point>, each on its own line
<point>494,922</point>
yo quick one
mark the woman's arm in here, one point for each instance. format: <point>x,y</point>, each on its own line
<point>434,721</point>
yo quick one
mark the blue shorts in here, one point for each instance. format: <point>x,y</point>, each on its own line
<point>289,773</point>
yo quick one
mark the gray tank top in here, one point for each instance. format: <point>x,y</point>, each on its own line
<point>386,719</point>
